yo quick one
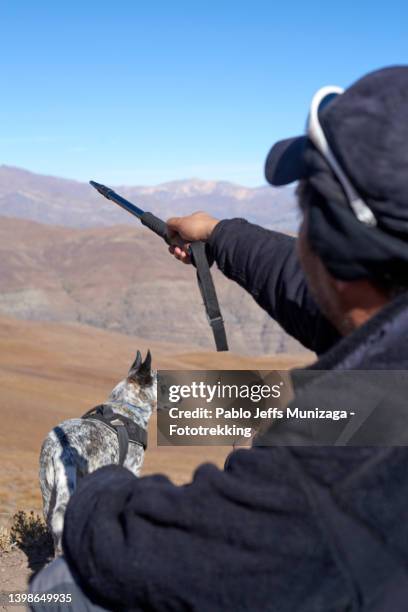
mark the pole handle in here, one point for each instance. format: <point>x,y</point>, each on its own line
<point>155,224</point>
<point>159,227</point>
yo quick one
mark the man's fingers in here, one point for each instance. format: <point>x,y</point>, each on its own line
<point>173,223</point>
<point>186,259</point>
<point>180,254</point>
<point>173,229</point>
<point>191,228</point>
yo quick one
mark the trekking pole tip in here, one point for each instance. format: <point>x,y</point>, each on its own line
<point>101,188</point>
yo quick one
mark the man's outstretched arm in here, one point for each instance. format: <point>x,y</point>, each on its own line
<point>265,264</point>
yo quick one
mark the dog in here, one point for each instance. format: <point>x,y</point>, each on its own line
<point>80,446</point>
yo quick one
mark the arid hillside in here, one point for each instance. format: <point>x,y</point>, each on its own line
<point>122,278</point>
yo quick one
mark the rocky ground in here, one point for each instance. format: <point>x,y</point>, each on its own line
<point>14,572</point>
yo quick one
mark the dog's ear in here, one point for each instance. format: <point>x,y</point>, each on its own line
<point>146,366</point>
<point>136,364</point>
<point>141,371</point>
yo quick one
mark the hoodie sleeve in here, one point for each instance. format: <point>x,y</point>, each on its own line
<point>214,544</point>
<point>265,264</point>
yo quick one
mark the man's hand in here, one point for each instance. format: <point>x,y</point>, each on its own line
<point>197,226</point>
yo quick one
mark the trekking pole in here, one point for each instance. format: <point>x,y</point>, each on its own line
<point>198,259</point>
<point>158,226</point>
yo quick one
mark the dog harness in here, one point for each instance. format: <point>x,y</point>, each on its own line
<point>125,429</point>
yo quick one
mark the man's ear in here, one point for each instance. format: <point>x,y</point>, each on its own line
<point>141,371</point>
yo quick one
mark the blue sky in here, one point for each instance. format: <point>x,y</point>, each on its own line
<point>130,92</point>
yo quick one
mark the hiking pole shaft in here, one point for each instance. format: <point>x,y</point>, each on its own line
<point>197,254</point>
<point>158,226</point>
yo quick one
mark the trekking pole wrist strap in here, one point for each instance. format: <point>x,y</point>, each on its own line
<point>208,293</point>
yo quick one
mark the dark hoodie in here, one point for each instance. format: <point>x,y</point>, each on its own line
<point>314,529</point>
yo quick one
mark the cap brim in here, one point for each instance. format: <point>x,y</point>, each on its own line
<point>285,162</point>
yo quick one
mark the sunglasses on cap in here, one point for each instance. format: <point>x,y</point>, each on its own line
<point>316,134</point>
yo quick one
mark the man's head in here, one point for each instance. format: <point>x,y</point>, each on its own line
<point>352,166</point>
<point>347,304</point>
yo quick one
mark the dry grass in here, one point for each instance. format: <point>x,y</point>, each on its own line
<point>5,540</point>
<point>27,531</point>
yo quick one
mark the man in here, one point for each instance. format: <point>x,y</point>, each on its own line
<point>285,527</point>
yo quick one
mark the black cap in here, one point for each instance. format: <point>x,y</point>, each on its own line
<point>367,130</point>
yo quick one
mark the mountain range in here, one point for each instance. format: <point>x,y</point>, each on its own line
<point>63,257</point>
<point>57,201</point>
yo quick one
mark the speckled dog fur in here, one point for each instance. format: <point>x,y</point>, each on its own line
<point>78,447</point>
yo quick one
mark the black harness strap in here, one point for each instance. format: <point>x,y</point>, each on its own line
<point>123,440</point>
<point>209,295</point>
<point>125,429</point>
